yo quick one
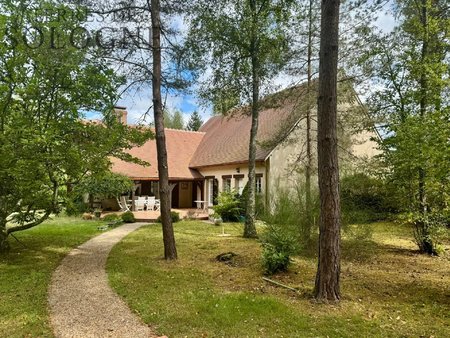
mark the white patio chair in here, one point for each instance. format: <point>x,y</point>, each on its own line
<point>123,204</point>
<point>157,205</point>
<point>151,202</point>
<point>140,205</point>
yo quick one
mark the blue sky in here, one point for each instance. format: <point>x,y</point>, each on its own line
<point>138,103</point>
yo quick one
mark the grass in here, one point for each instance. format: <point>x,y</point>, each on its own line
<point>389,290</point>
<point>25,273</point>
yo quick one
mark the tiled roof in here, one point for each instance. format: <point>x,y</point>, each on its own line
<point>227,139</point>
<point>181,146</point>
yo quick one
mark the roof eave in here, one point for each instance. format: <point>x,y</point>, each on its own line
<point>260,160</point>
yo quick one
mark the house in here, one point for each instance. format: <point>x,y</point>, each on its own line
<point>214,159</point>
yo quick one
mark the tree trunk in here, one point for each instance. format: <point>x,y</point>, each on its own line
<point>423,100</point>
<point>308,170</point>
<point>327,286</point>
<point>170,250</point>
<point>4,246</point>
<point>249,227</point>
<point>427,245</point>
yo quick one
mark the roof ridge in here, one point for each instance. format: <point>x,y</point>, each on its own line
<point>186,131</point>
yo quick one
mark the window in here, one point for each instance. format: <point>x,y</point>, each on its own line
<point>258,184</point>
<point>239,185</point>
<point>227,184</point>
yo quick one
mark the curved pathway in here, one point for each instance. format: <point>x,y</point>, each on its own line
<point>82,304</point>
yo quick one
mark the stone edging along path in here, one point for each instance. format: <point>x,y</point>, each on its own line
<point>82,304</point>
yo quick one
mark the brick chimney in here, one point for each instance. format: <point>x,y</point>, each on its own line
<point>122,114</point>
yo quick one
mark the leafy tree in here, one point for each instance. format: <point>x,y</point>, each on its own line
<point>44,143</point>
<point>178,121</point>
<point>173,120</point>
<point>104,185</point>
<point>195,122</point>
<point>327,287</point>
<point>412,64</point>
<point>245,44</point>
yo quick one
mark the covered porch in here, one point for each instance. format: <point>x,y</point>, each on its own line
<point>185,194</point>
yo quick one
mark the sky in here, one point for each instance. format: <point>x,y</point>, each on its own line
<point>138,103</point>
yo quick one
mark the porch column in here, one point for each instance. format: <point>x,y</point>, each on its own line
<point>133,193</point>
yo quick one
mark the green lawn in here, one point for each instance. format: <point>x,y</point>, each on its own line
<point>388,289</point>
<point>25,273</point>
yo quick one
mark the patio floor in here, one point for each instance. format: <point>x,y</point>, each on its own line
<point>151,216</point>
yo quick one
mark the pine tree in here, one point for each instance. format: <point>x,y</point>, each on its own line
<point>170,250</point>
<point>327,279</point>
<point>195,122</point>
<point>177,120</point>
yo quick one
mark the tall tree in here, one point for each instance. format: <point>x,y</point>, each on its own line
<point>327,286</point>
<point>309,112</point>
<point>178,120</point>
<point>355,17</point>
<point>413,106</point>
<point>173,120</point>
<point>170,250</point>
<point>245,44</point>
<point>143,63</point>
<point>195,122</point>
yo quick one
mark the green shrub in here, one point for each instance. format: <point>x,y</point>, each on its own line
<point>365,199</point>
<point>128,217</point>
<point>111,218</point>
<point>279,244</point>
<point>173,214</point>
<point>228,207</point>
<point>274,261</point>
<point>429,231</point>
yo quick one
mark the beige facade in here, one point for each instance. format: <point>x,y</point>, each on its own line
<point>229,176</point>
<point>364,146</point>
<point>281,169</point>
<point>285,165</point>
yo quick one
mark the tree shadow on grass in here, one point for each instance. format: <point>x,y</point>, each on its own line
<point>351,250</point>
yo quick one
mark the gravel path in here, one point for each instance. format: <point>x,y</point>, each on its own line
<point>82,304</point>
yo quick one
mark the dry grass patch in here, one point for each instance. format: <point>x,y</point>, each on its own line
<point>389,290</point>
